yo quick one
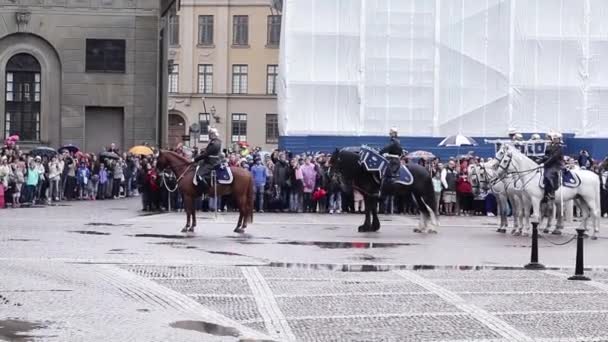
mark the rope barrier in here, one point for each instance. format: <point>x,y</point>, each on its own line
<point>559,243</point>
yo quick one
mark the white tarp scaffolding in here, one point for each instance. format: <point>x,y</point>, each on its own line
<point>438,67</point>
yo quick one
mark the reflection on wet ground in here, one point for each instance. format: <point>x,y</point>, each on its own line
<point>206,327</point>
<point>108,224</point>
<point>163,236</point>
<point>16,330</point>
<point>88,232</point>
<point>340,244</point>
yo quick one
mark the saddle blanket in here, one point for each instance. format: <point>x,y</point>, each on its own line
<point>569,179</point>
<point>223,174</point>
<point>405,176</point>
<point>372,161</point>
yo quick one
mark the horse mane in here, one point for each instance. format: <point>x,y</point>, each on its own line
<point>522,157</point>
<point>176,155</point>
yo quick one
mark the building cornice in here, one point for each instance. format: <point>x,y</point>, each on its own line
<point>130,12</point>
<point>222,96</point>
<point>225,3</point>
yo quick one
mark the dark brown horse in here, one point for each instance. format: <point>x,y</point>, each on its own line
<point>241,189</point>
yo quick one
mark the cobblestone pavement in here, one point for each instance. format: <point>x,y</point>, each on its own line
<point>100,271</point>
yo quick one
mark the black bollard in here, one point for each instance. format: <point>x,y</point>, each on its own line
<point>534,264</point>
<point>579,271</point>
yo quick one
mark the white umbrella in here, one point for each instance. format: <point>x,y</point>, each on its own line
<point>458,140</point>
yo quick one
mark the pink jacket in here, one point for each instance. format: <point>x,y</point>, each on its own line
<point>310,177</point>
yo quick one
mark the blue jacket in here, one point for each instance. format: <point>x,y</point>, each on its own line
<point>259,173</point>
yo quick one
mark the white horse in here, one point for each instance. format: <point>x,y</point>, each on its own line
<point>506,190</point>
<point>587,194</point>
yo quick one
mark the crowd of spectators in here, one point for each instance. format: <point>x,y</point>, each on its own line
<point>284,181</point>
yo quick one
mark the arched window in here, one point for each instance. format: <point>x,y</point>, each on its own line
<point>22,98</point>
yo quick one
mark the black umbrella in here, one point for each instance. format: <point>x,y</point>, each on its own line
<point>109,155</point>
<point>43,151</point>
<point>70,148</point>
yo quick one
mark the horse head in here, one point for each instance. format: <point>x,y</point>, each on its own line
<point>162,161</point>
<point>504,155</point>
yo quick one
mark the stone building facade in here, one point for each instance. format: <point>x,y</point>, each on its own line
<point>225,57</point>
<point>84,72</point>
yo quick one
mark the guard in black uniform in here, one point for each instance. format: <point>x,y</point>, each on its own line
<point>393,152</point>
<point>209,158</point>
<point>553,162</point>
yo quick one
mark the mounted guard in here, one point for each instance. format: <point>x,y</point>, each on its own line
<point>208,159</point>
<point>552,165</point>
<point>393,152</point>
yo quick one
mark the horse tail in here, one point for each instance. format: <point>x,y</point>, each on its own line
<point>426,201</point>
<point>250,200</point>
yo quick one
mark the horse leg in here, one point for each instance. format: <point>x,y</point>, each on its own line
<point>187,206</point>
<point>374,209</point>
<point>242,222</point>
<point>193,215</point>
<point>502,205</point>
<point>365,227</point>
<point>559,219</point>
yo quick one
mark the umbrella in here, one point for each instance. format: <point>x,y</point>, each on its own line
<point>420,155</point>
<point>109,155</point>
<point>70,148</point>
<point>43,151</point>
<point>457,140</point>
<point>141,150</point>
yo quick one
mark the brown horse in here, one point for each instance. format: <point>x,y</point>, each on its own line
<point>241,188</point>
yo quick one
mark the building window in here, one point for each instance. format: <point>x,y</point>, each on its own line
<point>240,30</point>
<point>105,55</point>
<point>239,79</point>
<point>174,30</point>
<point>272,128</point>
<point>239,127</point>
<point>205,30</point>
<point>174,79</point>
<point>22,97</point>
<point>203,121</point>
<point>272,70</point>
<point>274,30</point>
<point>205,78</point>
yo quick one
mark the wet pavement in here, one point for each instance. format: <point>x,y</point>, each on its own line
<point>99,271</point>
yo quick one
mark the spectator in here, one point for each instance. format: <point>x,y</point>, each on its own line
<point>103,182</point>
<point>464,194</point>
<point>281,180</point>
<point>309,177</point>
<point>335,194</point>
<point>54,179</point>
<point>297,185</point>
<point>260,175</point>
<point>32,180</point>
<point>118,178</point>
<point>437,187</point>
<point>82,180</point>
<point>448,180</point>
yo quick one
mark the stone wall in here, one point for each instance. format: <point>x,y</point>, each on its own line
<point>62,26</point>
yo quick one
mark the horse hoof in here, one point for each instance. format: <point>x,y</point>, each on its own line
<point>191,230</point>
<point>364,229</point>
<point>546,230</point>
<point>416,230</point>
<point>556,232</point>
<point>185,229</point>
<point>513,231</point>
<point>432,231</point>
<point>593,237</point>
<point>239,230</point>
<point>518,233</point>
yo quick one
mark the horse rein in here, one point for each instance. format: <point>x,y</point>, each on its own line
<point>178,179</point>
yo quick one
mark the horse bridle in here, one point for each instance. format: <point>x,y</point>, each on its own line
<point>520,174</point>
<point>178,179</point>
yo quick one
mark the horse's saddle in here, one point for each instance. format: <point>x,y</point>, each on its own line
<point>569,179</point>
<point>404,177</point>
<point>223,174</point>
<point>372,161</point>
